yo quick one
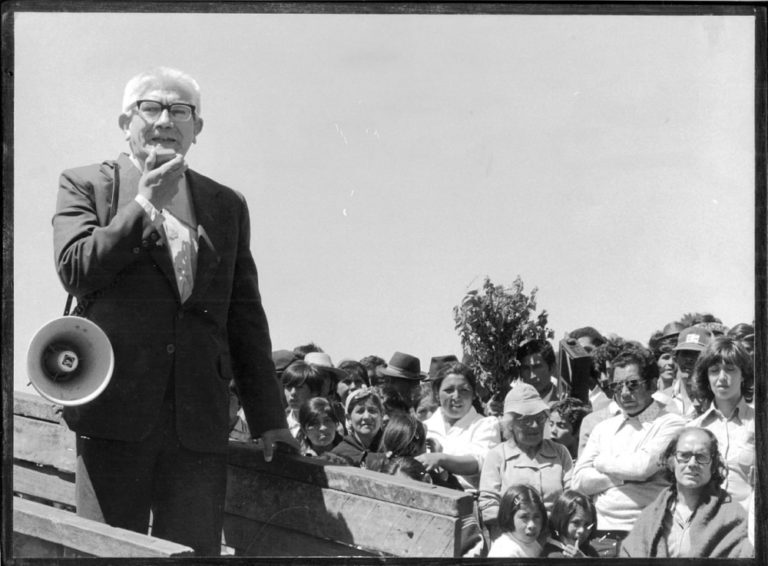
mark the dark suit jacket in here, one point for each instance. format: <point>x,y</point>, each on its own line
<point>219,333</point>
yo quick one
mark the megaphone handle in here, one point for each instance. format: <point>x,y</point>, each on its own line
<point>68,304</point>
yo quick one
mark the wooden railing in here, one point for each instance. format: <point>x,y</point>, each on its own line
<point>291,506</point>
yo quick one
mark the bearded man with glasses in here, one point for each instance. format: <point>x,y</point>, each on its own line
<point>620,466</point>
<point>159,257</point>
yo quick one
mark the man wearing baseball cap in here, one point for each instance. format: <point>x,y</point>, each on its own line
<point>690,343</point>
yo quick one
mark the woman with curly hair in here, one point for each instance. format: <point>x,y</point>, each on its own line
<point>694,517</point>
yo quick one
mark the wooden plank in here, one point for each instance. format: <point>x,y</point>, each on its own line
<point>29,547</point>
<point>45,483</point>
<point>366,483</point>
<point>345,517</point>
<point>44,443</point>
<point>85,536</point>
<point>252,538</point>
<point>33,406</point>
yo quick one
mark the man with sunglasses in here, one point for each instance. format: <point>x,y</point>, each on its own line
<point>619,466</point>
<point>168,274</point>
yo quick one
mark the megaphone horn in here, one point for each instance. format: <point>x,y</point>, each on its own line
<point>70,361</point>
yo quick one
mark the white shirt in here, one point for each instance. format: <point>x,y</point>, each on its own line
<point>620,465</point>
<point>472,435</point>
<point>176,222</point>
<point>507,546</point>
<point>736,442</point>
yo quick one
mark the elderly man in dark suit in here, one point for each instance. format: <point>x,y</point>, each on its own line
<point>170,278</point>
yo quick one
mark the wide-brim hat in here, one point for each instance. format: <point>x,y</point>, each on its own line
<point>322,361</point>
<point>694,338</point>
<point>437,362</point>
<point>523,399</point>
<point>402,366</point>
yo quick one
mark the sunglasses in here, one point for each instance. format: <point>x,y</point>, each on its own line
<point>631,385</point>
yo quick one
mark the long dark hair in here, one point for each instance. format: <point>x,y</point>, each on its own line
<point>454,368</point>
<point>404,435</point>
<point>566,504</point>
<point>310,412</point>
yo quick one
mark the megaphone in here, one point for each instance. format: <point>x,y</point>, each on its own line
<point>70,361</point>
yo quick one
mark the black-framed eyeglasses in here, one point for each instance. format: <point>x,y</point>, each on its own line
<point>151,110</point>
<point>631,385</point>
<point>685,457</point>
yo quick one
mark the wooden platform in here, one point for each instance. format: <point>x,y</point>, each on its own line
<point>44,524</point>
<point>292,506</point>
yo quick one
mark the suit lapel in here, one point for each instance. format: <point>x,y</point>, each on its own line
<point>203,197</point>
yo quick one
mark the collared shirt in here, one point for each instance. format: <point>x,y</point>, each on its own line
<point>472,435</point>
<point>178,226</point>
<point>676,530</point>
<point>620,464</point>
<point>548,472</point>
<point>598,399</point>
<point>683,402</point>
<point>292,418</point>
<point>736,441</point>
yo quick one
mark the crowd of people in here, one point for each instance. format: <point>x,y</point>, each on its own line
<point>651,453</point>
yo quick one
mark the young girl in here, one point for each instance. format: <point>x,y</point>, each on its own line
<point>572,523</point>
<point>427,404</point>
<point>521,519</point>
<point>318,432</point>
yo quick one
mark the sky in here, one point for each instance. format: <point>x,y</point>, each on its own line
<point>392,162</point>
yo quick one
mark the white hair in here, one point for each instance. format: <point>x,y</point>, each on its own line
<point>161,78</point>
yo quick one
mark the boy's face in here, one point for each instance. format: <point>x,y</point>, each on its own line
<point>296,395</point>
<point>561,430</point>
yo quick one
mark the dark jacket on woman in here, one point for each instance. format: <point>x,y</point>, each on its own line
<point>718,528</point>
<point>352,450</point>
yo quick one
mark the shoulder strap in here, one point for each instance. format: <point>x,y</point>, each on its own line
<point>114,198</point>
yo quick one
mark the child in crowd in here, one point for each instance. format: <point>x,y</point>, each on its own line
<point>522,516</point>
<point>565,418</point>
<point>427,404</point>
<point>301,382</point>
<point>572,523</point>
<point>318,432</point>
